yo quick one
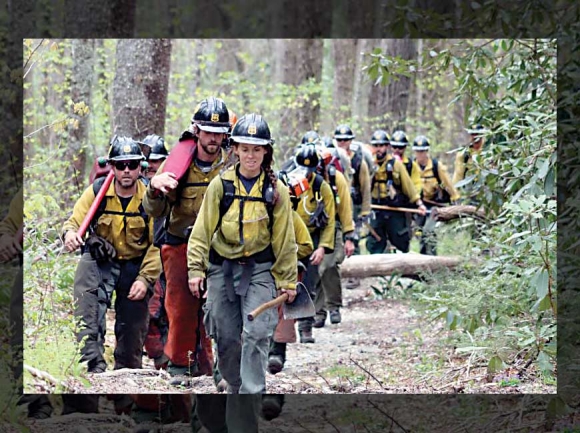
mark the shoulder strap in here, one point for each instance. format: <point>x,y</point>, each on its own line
<point>436,169</point>
<point>409,166</point>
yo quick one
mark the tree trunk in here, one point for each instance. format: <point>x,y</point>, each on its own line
<point>99,19</point>
<point>344,55</point>
<point>140,87</point>
<point>405,265</point>
<point>393,98</point>
<point>299,60</point>
<point>83,59</point>
<point>448,213</point>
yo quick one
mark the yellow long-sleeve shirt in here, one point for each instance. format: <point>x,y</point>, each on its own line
<point>430,183</point>
<point>462,167</point>
<point>183,203</point>
<point>401,180</point>
<point>124,232</point>
<point>303,240</point>
<point>364,186</point>
<point>225,239</point>
<point>344,205</point>
<point>307,205</point>
<point>414,174</point>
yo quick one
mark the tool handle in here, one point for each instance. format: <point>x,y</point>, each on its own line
<point>398,209</point>
<point>265,306</point>
<point>96,202</point>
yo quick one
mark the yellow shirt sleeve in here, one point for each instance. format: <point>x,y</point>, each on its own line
<point>416,177</point>
<point>12,222</point>
<point>344,208</point>
<point>446,182</point>
<point>406,183</point>
<point>459,168</point>
<point>327,234</point>
<point>365,188</point>
<point>303,239</point>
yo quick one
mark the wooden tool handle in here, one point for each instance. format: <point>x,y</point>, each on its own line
<point>398,209</point>
<point>273,303</point>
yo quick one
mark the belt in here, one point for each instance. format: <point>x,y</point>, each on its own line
<point>266,255</point>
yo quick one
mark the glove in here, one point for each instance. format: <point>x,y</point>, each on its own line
<point>186,135</point>
<point>101,250</point>
<point>319,218</point>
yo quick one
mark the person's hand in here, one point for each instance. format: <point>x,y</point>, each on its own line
<point>138,291</point>
<point>423,210</point>
<point>291,295</point>
<point>72,241</point>
<point>317,256</point>
<point>195,286</point>
<point>348,248</point>
<point>164,182</point>
<point>9,247</point>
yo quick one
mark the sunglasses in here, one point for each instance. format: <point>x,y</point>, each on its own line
<point>343,139</point>
<point>133,164</point>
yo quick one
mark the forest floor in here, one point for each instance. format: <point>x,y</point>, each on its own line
<point>380,347</point>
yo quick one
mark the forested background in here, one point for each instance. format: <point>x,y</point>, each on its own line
<point>500,310</point>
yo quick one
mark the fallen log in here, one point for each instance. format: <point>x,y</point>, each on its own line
<point>448,213</point>
<point>406,265</point>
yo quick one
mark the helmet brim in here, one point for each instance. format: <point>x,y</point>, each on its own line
<point>126,157</point>
<point>399,144</point>
<point>375,142</point>
<point>156,156</point>
<point>250,140</point>
<point>216,129</point>
<point>477,131</point>
<point>344,137</point>
<point>420,147</point>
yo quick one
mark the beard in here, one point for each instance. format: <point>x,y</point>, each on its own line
<point>211,148</point>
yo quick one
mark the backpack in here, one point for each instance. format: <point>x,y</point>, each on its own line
<point>102,209</point>
<point>442,194</point>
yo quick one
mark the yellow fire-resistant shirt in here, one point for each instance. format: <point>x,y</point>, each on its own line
<point>12,222</point>
<point>225,239</point>
<point>123,232</point>
<point>344,205</point>
<point>461,167</point>
<point>307,205</point>
<point>184,202</point>
<point>430,183</point>
<point>303,240</point>
<point>414,174</point>
<point>364,185</point>
<point>401,180</point>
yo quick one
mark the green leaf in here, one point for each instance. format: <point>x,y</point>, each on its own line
<point>542,284</point>
<point>495,365</point>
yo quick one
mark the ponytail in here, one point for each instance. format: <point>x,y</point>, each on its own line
<point>267,167</point>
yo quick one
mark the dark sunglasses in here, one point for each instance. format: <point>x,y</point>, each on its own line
<point>133,164</point>
<point>343,139</point>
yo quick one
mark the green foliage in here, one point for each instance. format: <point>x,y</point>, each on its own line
<point>386,286</point>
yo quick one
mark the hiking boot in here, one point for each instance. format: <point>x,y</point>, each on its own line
<point>306,336</point>
<point>272,406</point>
<point>352,283</point>
<point>335,317</point>
<point>275,364</point>
<point>99,367</point>
<point>319,321</point>
<point>161,362</point>
<point>41,408</point>
<point>222,386</point>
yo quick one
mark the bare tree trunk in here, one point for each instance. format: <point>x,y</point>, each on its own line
<point>83,59</point>
<point>140,87</point>
<point>393,99</point>
<point>299,60</point>
<point>100,18</point>
<point>406,265</point>
<point>344,55</point>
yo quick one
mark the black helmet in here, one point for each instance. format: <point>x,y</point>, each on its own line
<point>399,139</point>
<point>477,128</point>
<point>307,156</point>
<point>420,143</point>
<point>212,115</point>
<point>343,132</point>
<point>124,148</point>
<point>310,137</point>
<point>252,129</point>
<point>380,136</point>
<point>327,141</point>
<point>157,145</point>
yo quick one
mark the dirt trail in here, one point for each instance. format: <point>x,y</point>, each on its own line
<point>381,346</point>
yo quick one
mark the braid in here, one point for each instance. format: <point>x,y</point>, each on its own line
<point>267,166</point>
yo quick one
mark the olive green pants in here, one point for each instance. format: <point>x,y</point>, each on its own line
<point>389,225</point>
<point>329,291</point>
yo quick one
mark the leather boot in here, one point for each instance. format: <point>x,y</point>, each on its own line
<point>306,336</point>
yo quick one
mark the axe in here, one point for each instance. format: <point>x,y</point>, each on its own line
<point>301,307</point>
<point>398,209</point>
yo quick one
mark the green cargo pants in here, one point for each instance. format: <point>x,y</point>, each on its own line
<point>329,292</point>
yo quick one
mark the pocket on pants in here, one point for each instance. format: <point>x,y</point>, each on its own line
<point>208,322</point>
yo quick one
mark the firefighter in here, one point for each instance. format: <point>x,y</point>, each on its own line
<point>179,201</point>
<point>231,255</point>
<point>437,189</point>
<point>119,256</point>
<point>391,186</point>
